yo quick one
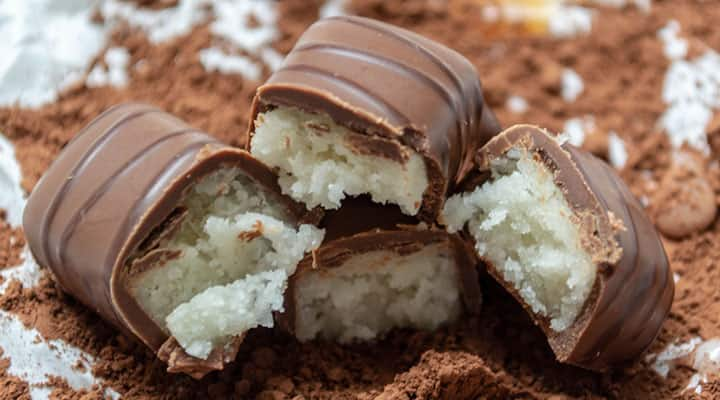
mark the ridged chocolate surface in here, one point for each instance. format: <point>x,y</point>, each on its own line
<point>392,84</point>
<point>632,295</point>
<point>117,181</point>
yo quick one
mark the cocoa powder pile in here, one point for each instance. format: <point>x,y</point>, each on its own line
<point>500,353</point>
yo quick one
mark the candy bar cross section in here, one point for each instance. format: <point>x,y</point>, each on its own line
<point>559,230</point>
<point>363,107</point>
<point>172,236</point>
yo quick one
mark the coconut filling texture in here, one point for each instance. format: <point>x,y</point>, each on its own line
<point>375,292</point>
<point>523,225</point>
<point>318,166</point>
<point>233,255</point>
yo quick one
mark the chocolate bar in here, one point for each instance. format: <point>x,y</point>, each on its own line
<point>560,231</point>
<point>380,270</point>
<point>363,107</point>
<point>172,236</point>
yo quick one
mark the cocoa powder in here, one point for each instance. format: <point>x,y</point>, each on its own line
<point>12,242</point>
<point>498,354</point>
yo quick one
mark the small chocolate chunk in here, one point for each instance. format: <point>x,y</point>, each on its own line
<point>401,117</point>
<point>560,231</point>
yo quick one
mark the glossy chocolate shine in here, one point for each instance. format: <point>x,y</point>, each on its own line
<point>117,181</point>
<point>632,296</point>
<point>389,83</point>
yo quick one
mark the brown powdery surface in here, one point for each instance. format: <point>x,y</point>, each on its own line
<point>12,242</point>
<point>499,354</point>
<point>10,386</point>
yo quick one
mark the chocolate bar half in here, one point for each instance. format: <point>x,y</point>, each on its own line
<point>174,237</point>
<point>364,107</point>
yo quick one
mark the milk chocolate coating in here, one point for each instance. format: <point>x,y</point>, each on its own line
<point>399,89</point>
<point>634,288</point>
<point>361,226</point>
<point>110,191</point>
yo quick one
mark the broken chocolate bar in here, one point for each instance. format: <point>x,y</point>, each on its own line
<point>375,273</point>
<point>363,107</point>
<point>559,229</point>
<point>172,236</point>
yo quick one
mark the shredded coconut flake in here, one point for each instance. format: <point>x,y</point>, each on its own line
<point>214,59</point>
<point>572,85</point>
<point>706,363</point>
<point>674,46</point>
<point>666,359</point>
<point>691,90</point>
<point>617,153</point>
<point>333,8</point>
<point>576,128</point>
<point>115,74</point>
<point>160,25</point>
<point>516,104</point>
<point>570,20</point>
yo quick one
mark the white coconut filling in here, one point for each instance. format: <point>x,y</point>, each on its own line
<point>235,256</point>
<point>318,167</point>
<point>521,222</point>
<point>372,293</point>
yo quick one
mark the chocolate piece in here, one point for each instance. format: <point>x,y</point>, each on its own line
<point>400,95</point>
<point>103,211</point>
<point>363,282</point>
<point>632,286</point>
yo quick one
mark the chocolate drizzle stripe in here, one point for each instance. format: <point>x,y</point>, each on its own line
<point>410,43</point>
<point>654,307</point>
<point>612,332</point>
<point>579,165</point>
<point>666,300</point>
<point>100,191</point>
<point>99,118</point>
<point>378,100</point>
<point>577,160</point>
<point>414,73</point>
<point>84,161</point>
<point>399,67</point>
<point>141,205</point>
<point>432,57</point>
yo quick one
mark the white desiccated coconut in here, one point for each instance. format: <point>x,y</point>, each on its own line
<point>521,223</point>
<point>214,59</point>
<point>570,20</point>
<point>372,293</point>
<point>319,168</point>
<point>617,153</point>
<point>332,8</point>
<point>213,317</point>
<point>572,85</point>
<point>675,48</point>
<point>516,104</point>
<point>117,59</point>
<point>691,89</point>
<point>575,129</point>
<point>234,246</point>
<point>663,361</point>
